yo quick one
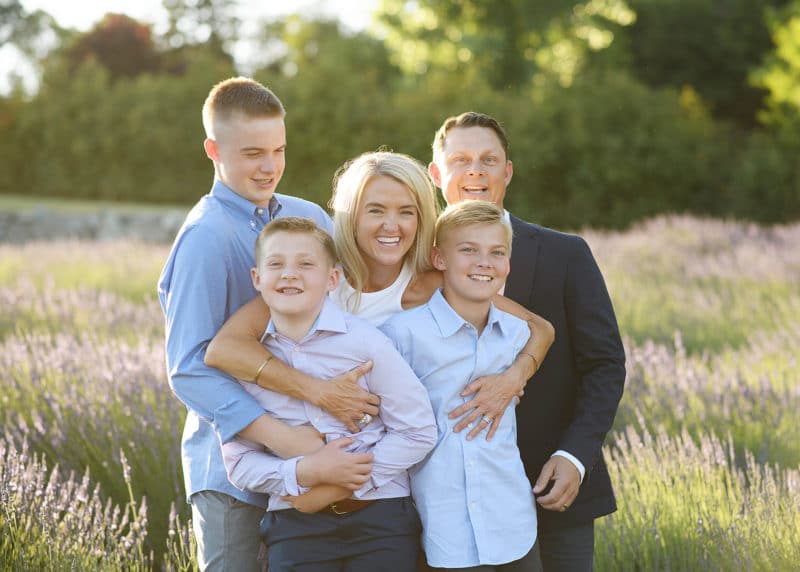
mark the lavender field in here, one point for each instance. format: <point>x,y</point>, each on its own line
<point>705,453</point>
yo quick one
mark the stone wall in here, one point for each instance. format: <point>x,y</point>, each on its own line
<point>42,223</point>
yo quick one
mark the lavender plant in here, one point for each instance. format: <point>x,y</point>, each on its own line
<point>684,504</point>
<point>87,401</point>
<point>716,282</point>
<point>751,393</point>
<point>706,442</point>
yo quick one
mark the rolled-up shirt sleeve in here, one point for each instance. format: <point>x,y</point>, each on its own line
<point>405,412</point>
<point>250,468</point>
<point>194,294</point>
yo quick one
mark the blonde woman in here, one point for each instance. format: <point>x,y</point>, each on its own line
<point>384,218</point>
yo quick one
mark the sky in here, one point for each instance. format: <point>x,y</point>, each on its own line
<point>83,14</point>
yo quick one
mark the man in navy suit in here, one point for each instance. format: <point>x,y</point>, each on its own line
<point>570,404</point>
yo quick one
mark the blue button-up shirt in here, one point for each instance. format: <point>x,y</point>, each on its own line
<point>399,437</point>
<point>204,281</point>
<point>475,501</point>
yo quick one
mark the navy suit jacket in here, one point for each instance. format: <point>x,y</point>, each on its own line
<point>570,403</point>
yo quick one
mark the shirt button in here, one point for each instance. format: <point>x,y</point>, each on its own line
<point>298,349</point>
<point>253,224</point>
<point>259,211</point>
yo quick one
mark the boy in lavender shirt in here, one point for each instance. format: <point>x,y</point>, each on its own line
<point>476,504</point>
<point>372,525</point>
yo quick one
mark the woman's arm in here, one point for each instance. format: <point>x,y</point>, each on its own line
<point>493,393</point>
<point>236,349</point>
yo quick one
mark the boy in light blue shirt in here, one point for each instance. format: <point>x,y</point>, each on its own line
<point>474,498</point>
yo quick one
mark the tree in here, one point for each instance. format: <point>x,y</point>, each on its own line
<point>504,42</point>
<point>711,45</point>
<point>210,22</point>
<point>120,44</point>
<point>779,74</point>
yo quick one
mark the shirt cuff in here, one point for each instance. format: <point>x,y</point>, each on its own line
<point>574,460</point>
<point>289,474</point>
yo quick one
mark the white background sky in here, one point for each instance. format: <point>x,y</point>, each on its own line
<point>83,14</point>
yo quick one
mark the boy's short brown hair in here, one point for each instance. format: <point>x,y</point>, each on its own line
<point>298,225</point>
<point>469,212</point>
<point>469,119</point>
<point>240,96</point>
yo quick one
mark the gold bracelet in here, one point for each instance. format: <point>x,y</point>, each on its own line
<point>535,361</point>
<point>261,368</point>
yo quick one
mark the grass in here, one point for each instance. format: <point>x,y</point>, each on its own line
<point>704,453</point>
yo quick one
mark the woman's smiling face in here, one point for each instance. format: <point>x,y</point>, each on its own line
<point>386,223</point>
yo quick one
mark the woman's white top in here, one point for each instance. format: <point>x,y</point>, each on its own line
<point>374,307</point>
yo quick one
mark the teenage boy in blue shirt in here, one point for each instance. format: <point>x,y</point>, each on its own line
<point>364,528</point>
<point>204,281</point>
<point>477,507</point>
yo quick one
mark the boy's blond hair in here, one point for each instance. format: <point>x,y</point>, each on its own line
<point>349,184</point>
<point>468,213</point>
<point>297,225</point>
<point>239,96</point>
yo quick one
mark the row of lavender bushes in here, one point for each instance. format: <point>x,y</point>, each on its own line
<point>705,452</point>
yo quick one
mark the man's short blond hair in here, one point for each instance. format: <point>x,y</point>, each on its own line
<point>239,97</point>
<point>469,212</point>
<point>298,225</point>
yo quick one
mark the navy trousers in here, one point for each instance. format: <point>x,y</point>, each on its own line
<point>384,536</point>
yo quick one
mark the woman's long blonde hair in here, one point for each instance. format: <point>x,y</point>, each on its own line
<point>348,189</point>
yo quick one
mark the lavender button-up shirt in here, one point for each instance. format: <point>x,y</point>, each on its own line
<point>398,438</point>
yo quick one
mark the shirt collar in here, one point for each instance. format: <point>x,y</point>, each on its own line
<point>449,321</point>
<point>236,201</point>
<point>331,319</point>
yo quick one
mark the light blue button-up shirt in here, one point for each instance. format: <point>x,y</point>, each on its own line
<point>474,499</point>
<point>399,437</point>
<point>206,279</point>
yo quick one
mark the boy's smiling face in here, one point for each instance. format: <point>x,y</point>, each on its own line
<point>294,276</point>
<point>475,261</point>
<point>249,155</point>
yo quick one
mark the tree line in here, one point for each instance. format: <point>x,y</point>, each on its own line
<point>616,109</point>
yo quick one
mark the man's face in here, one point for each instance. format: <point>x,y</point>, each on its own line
<point>249,154</point>
<point>472,166</point>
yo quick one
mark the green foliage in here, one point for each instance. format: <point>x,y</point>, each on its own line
<point>607,150</point>
<point>612,107</point>
<point>133,139</point>
<point>710,45</point>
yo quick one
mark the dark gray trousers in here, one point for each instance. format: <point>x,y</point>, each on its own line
<point>383,537</point>
<point>569,549</point>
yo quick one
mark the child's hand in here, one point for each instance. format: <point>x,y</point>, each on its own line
<point>332,464</point>
<point>317,498</point>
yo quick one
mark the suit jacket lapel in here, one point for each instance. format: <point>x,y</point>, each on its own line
<point>524,252</point>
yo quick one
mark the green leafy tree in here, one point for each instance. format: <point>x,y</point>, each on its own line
<point>504,43</point>
<point>779,75</point>
<point>711,45</point>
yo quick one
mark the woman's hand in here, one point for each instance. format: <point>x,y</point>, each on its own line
<point>493,393</point>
